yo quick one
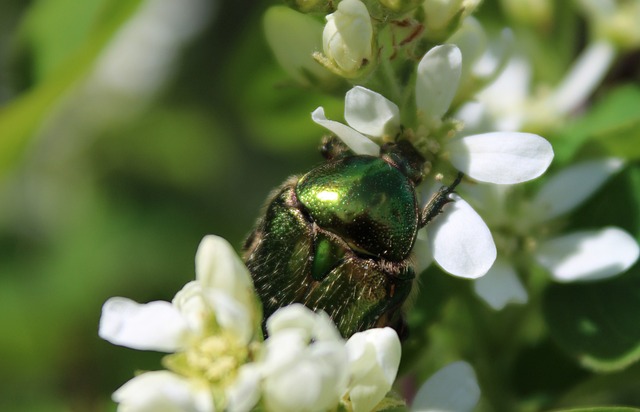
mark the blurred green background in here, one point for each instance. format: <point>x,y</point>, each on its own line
<point>128,131</point>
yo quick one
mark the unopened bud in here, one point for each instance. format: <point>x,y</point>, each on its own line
<point>348,38</point>
<point>443,16</point>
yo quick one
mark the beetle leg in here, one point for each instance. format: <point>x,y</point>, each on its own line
<point>334,148</point>
<point>438,200</point>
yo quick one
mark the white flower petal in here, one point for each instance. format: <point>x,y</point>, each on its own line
<point>371,113</point>
<point>357,142</point>
<point>472,41</point>
<point>583,78</point>
<point>572,186</point>
<point>231,314</point>
<point>311,380</point>
<point>298,317</point>
<point>437,82</point>
<point>244,394</point>
<point>501,157</point>
<point>423,258</point>
<point>460,241</point>
<point>193,307</point>
<point>387,350</point>
<point>219,267</point>
<point>589,254</point>
<point>151,326</point>
<point>453,388</point>
<point>374,358</point>
<point>500,286</point>
<point>163,391</point>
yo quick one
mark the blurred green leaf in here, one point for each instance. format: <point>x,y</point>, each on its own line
<point>22,117</point>
<point>597,322</point>
<point>50,38</point>
<point>613,124</point>
<point>620,388</point>
<point>275,110</point>
<point>601,409</point>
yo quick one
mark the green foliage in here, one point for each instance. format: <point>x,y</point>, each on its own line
<point>61,57</point>
<point>611,127</point>
<point>597,322</point>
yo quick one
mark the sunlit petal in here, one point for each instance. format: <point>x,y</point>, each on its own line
<point>374,358</point>
<point>231,314</point>
<point>500,286</point>
<point>371,113</point>
<point>163,391</point>
<point>437,82</point>
<point>151,326</point>
<point>501,157</point>
<point>219,267</point>
<point>357,142</point>
<point>303,378</point>
<point>588,255</point>
<point>244,394</point>
<point>572,186</point>
<point>453,388</point>
<point>460,241</point>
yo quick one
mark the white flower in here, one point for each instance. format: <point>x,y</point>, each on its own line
<point>453,388</point>
<point>348,37</point>
<point>305,361</point>
<point>584,255</point>
<point>306,365</point>
<point>209,325</point>
<point>460,243</point>
<point>508,103</point>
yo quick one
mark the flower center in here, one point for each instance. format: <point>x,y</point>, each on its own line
<point>215,358</point>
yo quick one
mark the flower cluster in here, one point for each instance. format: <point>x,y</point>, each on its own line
<point>459,241</point>
<point>579,256</point>
<point>425,72</point>
<point>219,361</point>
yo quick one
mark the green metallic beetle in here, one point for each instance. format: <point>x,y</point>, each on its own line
<point>339,238</point>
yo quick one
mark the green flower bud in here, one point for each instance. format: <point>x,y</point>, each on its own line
<point>443,16</point>
<point>538,13</point>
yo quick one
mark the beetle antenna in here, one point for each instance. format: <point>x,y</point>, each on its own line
<point>438,200</point>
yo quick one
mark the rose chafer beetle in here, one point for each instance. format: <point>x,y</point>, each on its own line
<point>339,238</point>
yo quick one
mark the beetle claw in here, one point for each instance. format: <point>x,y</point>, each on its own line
<point>438,201</point>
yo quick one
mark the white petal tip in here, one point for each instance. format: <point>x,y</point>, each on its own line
<point>589,255</point>
<point>461,242</point>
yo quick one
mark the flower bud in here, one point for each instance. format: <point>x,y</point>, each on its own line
<point>538,13</point>
<point>348,38</point>
<point>443,16</point>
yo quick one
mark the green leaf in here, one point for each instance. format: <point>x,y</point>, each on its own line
<point>620,388</point>
<point>22,116</point>
<point>597,322</point>
<point>612,125</point>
